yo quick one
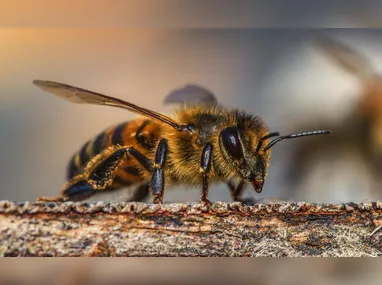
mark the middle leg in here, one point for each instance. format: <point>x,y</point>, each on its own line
<point>157,181</point>
<point>205,166</point>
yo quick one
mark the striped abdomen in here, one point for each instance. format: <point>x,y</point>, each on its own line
<point>139,133</point>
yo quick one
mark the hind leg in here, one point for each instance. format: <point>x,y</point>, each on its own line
<point>141,193</point>
<point>99,174</point>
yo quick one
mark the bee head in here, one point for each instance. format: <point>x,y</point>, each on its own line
<point>252,163</point>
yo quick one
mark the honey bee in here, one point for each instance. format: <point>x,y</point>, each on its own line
<point>202,143</point>
<point>357,136</point>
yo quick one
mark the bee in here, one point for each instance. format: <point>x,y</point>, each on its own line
<point>357,136</point>
<point>202,143</point>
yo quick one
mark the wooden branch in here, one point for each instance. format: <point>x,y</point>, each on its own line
<point>226,229</point>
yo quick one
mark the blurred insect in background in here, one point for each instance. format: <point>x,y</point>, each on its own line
<point>202,143</point>
<point>349,164</point>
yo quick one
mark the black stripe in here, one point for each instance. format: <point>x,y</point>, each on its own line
<point>99,143</point>
<point>72,168</point>
<point>117,134</point>
<point>84,158</point>
<point>132,170</point>
<point>141,139</point>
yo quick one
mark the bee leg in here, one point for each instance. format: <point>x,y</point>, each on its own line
<point>51,199</point>
<point>236,191</point>
<point>140,193</point>
<point>79,189</point>
<point>101,177</point>
<point>205,166</point>
<point>85,185</point>
<point>157,181</point>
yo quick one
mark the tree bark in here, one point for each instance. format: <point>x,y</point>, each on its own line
<point>225,229</point>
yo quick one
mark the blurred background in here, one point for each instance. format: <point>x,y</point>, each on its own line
<point>191,271</point>
<point>282,75</point>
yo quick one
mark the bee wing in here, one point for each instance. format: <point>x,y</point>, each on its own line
<point>347,58</point>
<point>82,96</point>
<point>191,94</point>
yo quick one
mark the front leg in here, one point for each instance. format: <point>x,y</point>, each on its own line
<point>157,181</point>
<point>205,166</point>
<point>236,191</point>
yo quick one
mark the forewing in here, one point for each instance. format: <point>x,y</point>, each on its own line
<point>191,94</point>
<point>82,96</point>
<point>74,94</point>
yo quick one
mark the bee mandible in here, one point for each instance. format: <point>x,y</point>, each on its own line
<point>202,143</point>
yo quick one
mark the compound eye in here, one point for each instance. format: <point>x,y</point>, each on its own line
<point>231,142</point>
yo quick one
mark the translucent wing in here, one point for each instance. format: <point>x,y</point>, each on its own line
<point>347,58</point>
<point>191,94</point>
<point>82,96</point>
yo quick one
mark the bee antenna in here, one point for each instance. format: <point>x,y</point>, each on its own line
<point>264,138</point>
<point>291,136</point>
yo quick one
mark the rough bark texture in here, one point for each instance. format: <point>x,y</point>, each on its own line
<point>226,229</point>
